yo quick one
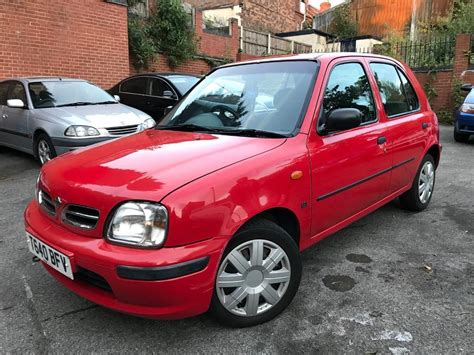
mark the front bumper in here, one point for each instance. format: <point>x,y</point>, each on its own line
<point>464,123</point>
<point>167,283</point>
<point>64,145</point>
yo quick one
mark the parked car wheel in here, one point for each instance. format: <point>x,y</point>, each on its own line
<point>461,138</point>
<point>419,196</point>
<point>44,149</point>
<point>258,276</point>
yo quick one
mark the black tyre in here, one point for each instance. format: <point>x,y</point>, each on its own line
<point>43,148</point>
<point>460,138</point>
<point>419,196</point>
<point>258,276</point>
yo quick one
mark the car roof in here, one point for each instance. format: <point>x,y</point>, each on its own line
<point>163,74</point>
<point>31,79</point>
<point>310,56</point>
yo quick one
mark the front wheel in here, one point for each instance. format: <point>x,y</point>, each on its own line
<point>419,196</point>
<point>44,149</point>
<point>258,276</point>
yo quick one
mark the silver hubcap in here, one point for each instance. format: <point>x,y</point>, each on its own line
<point>426,182</point>
<point>253,277</point>
<point>44,151</point>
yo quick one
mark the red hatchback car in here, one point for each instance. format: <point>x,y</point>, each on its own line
<point>210,209</point>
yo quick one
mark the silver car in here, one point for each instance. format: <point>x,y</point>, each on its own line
<point>50,116</point>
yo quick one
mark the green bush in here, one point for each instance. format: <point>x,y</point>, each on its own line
<point>141,45</point>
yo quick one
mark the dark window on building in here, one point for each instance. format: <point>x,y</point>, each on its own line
<point>348,87</point>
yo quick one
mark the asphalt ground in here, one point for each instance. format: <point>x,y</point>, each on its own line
<point>392,282</point>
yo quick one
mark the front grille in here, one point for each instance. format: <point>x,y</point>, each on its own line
<point>81,216</point>
<point>92,278</point>
<point>123,130</point>
<point>46,202</point>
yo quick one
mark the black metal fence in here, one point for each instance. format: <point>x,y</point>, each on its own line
<point>426,54</point>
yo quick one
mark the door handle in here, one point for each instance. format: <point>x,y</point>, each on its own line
<point>381,140</point>
<point>4,116</point>
<point>425,125</point>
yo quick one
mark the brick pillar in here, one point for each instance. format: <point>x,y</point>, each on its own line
<point>461,60</point>
<point>235,35</point>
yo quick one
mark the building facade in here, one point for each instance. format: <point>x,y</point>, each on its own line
<point>382,18</point>
<point>263,15</point>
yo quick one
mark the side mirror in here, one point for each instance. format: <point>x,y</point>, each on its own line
<point>168,94</point>
<point>117,98</point>
<point>167,110</point>
<point>15,103</point>
<point>466,87</point>
<point>343,118</point>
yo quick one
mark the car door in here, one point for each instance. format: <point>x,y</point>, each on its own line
<point>160,97</point>
<point>15,120</point>
<point>349,168</point>
<point>133,92</point>
<point>3,102</point>
<point>407,125</point>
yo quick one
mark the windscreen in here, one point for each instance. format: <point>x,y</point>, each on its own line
<point>46,94</point>
<point>267,97</point>
<point>183,83</point>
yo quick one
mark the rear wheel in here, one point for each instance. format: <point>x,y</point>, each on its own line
<point>258,276</point>
<point>419,196</point>
<point>44,149</point>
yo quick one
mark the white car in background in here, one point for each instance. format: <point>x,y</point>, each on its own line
<point>47,116</point>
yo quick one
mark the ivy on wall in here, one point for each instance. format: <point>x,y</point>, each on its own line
<point>167,31</point>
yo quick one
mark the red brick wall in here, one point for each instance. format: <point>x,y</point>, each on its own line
<point>443,82</point>
<point>160,64</point>
<point>216,45</point>
<point>86,39</point>
<point>272,15</point>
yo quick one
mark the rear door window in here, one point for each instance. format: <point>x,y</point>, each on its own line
<point>135,86</point>
<point>398,97</point>
<point>17,91</point>
<point>158,87</point>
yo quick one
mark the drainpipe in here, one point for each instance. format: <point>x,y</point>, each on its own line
<point>413,21</point>
<point>304,15</point>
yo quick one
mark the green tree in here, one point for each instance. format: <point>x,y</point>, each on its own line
<point>343,24</point>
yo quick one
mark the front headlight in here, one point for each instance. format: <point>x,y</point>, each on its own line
<point>81,131</point>
<point>141,224</point>
<point>467,108</point>
<point>148,123</point>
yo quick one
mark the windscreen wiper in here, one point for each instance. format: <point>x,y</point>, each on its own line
<point>189,127</point>
<point>255,133</point>
<point>104,102</point>
<point>80,103</point>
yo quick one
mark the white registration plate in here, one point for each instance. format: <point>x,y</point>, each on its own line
<point>50,256</point>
